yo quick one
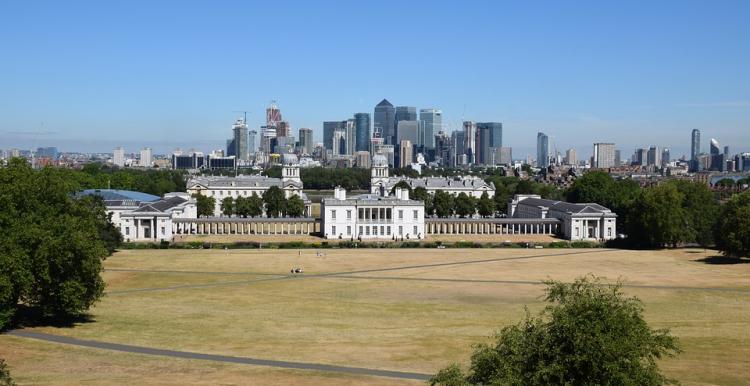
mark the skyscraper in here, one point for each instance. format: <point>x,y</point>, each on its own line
<point>385,121</point>
<point>306,140</point>
<point>653,157</point>
<point>406,113</point>
<point>432,122</point>
<point>618,158</point>
<point>146,160</point>
<point>252,147</point>
<point>273,115</point>
<point>328,128</point>
<point>571,158</point>
<point>695,149</point>
<point>506,156</point>
<point>351,136</point>
<point>239,140</point>
<point>283,129</point>
<point>604,155</point>
<point>489,137</point>
<point>408,130</point>
<point>458,138</point>
<point>717,159</point>
<point>118,157</point>
<point>362,129</point>
<point>470,140</point>
<point>542,150</point>
<point>665,157</point>
<point>405,153</point>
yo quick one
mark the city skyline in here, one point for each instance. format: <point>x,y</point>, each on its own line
<point>579,73</point>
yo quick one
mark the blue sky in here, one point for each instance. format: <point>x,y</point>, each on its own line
<point>87,76</point>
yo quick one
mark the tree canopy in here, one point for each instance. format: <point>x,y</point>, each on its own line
<point>295,207</point>
<point>443,202</point>
<point>464,204</point>
<point>205,205</point>
<point>275,201</point>
<point>227,206</point>
<point>52,244</point>
<point>590,334</point>
<point>485,205</point>
<point>733,226</point>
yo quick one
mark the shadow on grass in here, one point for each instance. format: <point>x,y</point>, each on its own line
<point>33,317</point>
<point>723,260</point>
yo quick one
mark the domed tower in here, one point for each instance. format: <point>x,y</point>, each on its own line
<point>379,176</point>
<point>291,181</point>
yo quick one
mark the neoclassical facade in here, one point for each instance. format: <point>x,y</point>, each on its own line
<point>583,221</point>
<point>381,184</point>
<point>371,216</point>
<point>220,187</point>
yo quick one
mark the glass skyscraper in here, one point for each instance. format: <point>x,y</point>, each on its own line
<point>362,128</point>
<point>542,150</point>
<point>328,128</point>
<point>489,137</point>
<point>385,121</point>
<point>695,149</point>
<point>431,121</point>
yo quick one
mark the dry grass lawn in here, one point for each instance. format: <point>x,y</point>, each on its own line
<point>408,310</point>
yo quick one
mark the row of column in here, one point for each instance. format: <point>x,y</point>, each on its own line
<point>478,228</point>
<point>244,228</point>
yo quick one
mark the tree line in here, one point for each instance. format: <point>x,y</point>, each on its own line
<point>675,212</point>
<point>273,201</point>
<point>151,181</point>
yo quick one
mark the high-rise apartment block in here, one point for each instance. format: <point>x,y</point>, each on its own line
<point>542,150</point>
<point>604,155</point>
<point>118,157</point>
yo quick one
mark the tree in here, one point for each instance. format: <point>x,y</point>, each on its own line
<point>485,205</point>
<point>295,207</point>
<point>403,185</point>
<point>659,218</point>
<point>590,334</point>
<point>227,206</point>
<point>275,201</point>
<point>421,194</point>
<point>701,208</point>
<point>5,378</point>
<point>205,205</point>
<point>443,202</point>
<point>242,206</point>
<point>254,206</point>
<point>733,226</point>
<point>597,186</point>
<point>51,246</point>
<point>465,205</point>
<point>725,183</point>
<point>108,232</point>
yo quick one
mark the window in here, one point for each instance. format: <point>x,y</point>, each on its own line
<point>163,231</point>
<point>374,231</point>
<point>609,232</point>
<point>415,231</point>
<point>416,215</point>
<point>348,214</point>
<point>360,230</point>
<point>361,215</point>
<point>349,230</point>
<point>577,232</point>
<point>127,231</point>
<point>382,230</point>
<point>388,230</point>
<point>400,230</point>
<point>367,231</point>
<point>333,230</point>
<point>333,214</point>
<point>400,214</point>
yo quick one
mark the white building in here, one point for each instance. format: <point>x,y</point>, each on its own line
<point>579,221</point>
<point>371,216</point>
<point>144,217</point>
<point>118,157</point>
<point>382,184</point>
<point>220,187</point>
<point>604,155</point>
<point>146,158</point>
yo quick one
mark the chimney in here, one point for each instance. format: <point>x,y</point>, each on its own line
<point>339,193</point>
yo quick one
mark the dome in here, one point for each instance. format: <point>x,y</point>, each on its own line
<point>289,159</point>
<point>379,160</point>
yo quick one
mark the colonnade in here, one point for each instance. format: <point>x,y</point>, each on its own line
<point>220,226</point>
<point>478,227</point>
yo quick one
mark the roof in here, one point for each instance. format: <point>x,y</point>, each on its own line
<point>371,199</point>
<point>384,102</point>
<point>567,207</point>
<point>119,195</point>
<point>252,181</point>
<point>161,206</point>
<point>445,183</point>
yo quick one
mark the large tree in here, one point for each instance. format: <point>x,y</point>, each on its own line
<point>227,206</point>
<point>659,218</point>
<point>255,206</point>
<point>443,202</point>
<point>421,194</point>
<point>205,205</point>
<point>242,206</point>
<point>295,207</point>
<point>275,201</point>
<point>701,209</point>
<point>485,205</point>
<point>465,205</point>
<point>51,246</point>
<point>733,226</point>
<point>590,334</point>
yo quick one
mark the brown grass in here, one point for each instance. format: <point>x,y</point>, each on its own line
<point>377,323</point>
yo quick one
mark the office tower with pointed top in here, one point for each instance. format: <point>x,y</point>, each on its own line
<point>384,121</point>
